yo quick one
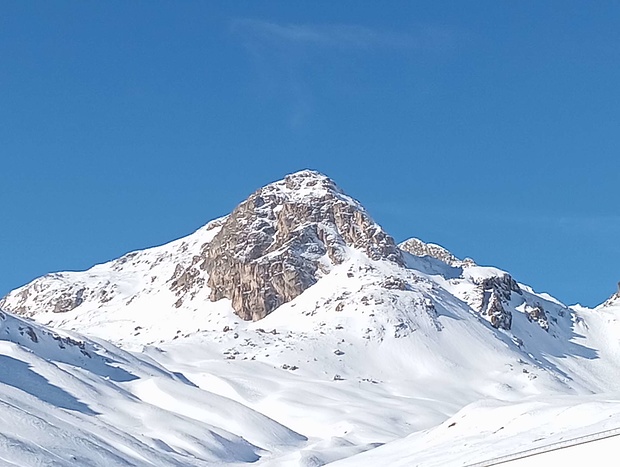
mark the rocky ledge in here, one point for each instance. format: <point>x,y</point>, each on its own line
<point>417,247</point>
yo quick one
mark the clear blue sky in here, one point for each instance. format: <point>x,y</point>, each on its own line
<point>492,128</point>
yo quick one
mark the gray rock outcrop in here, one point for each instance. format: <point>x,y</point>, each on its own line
<point>536,314</point>
<point>493,293</point>
<point>51,292</point>
<point>277,243</point>
<point>417,247</point>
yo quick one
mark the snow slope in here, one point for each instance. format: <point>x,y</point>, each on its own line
<point>68,401</point>
<point>481,430</point>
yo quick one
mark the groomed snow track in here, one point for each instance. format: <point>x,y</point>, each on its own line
<point>549,448</point>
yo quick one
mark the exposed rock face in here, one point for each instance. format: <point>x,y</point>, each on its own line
<point>417,247</point>
<point>492,293</point>
<point>498,316</point>
<point>394,283</point>
<point>537,314</point>
<point>51,293</point>
<point>277,243</point>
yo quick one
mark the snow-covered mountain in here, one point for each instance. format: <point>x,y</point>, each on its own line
<point>300,316</point>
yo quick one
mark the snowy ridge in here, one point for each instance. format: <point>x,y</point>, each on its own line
<point>134,291</point>
<point>614,300</point>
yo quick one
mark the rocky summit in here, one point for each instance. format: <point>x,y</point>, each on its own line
<point>279,241</point>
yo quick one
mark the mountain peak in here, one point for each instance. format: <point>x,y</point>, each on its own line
<point>274,245</point>
<point>307,186</point>
<point>279,241</point>
<point>307,175</point>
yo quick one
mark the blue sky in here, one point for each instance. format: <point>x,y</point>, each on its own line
<point>491,128</point>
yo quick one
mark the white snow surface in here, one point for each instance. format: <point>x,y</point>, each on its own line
<point>375,364</point>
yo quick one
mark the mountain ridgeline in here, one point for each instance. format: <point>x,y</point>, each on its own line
<point>274,246</point>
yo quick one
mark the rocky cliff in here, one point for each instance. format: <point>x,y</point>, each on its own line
<point>279,241</point>
<point>492,295</point>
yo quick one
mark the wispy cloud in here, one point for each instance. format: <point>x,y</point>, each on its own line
<point>345,35</point>
<point>286,56</point>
